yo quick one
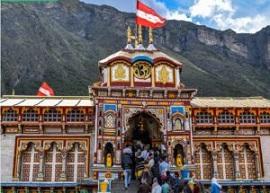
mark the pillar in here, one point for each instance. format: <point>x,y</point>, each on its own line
<point>18,166</point>
<point>257,163</point>
<point>41,165</point>
<point>63,175</point>
<point>85,174</point>
<point>236,164</point>
<point>215,167</point>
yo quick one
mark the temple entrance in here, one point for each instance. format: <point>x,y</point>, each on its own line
<point>144,128</point>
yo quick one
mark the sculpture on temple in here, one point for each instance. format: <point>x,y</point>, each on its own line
<point>109,160</point>
<point>179,160</point>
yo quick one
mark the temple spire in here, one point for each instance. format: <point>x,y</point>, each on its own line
<point>151,46</point>
<point>129,39</point>
<point>140,39</point>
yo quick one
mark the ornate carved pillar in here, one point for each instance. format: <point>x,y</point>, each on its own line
<point>18,166</point>
<point>63,175</point>
<point>215,167</point>
<point>257,162</point>
<point>41,154</point>
<point>236,164</point>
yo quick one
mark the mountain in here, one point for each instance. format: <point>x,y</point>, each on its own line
<point>62,42</point>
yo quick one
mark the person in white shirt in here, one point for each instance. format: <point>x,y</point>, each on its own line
<point>156,188</point>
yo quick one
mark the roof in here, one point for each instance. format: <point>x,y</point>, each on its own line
<point>131,55</point>
<point>53,101</point>
<point>228,102</point>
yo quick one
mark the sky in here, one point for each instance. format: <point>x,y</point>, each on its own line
<point>242,16</point>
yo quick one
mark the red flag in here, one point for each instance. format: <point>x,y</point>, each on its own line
<point>45,90</point>
<point>148,17</point>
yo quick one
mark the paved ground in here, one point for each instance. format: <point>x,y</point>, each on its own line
<point>118,187</point>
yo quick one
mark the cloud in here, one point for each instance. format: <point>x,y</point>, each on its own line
<point>222,14</point>
<point>241,24</point>
<point>208,8</point>
<point>219,14</point>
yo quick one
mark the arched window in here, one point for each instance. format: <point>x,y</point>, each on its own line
<point>10,115</point>
<point>110,121</point>
<point>53,164</point>
<point>265,117</point>
<point>30,164</point>
<point>225,117</point>
<point>75,115</point>
<point>178,124</point>
<point>30,115</point>
<point>204,117</point>
<point>52,115</point>
<point>247,117</point>
<point>76,163</point>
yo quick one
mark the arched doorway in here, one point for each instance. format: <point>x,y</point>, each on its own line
<point>144,128</point>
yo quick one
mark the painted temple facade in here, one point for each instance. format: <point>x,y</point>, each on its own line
<point>66,143</point>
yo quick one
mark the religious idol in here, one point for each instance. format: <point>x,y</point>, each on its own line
<point>109,160</point>
<point>179,160</point>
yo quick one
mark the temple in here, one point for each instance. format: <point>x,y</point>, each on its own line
<point>65,143</point>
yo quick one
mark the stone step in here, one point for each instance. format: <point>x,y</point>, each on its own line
<point>118,187</point>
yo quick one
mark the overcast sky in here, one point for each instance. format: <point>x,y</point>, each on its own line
<point>239,15</point>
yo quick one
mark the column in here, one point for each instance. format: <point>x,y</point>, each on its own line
<point>215,168</point>
<point>85,175</point>
<point>236,164</point>
<point>41,165</point>
<point>18,166</point>
<point>257,163</point>
<point>63,175</point>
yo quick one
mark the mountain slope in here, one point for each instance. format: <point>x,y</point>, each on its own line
<point>62,43</point>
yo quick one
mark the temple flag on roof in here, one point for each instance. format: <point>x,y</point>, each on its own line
<point>45,90</point>
<point>146,16</point>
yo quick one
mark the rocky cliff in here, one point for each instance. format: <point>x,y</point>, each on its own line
<point>62,42</point>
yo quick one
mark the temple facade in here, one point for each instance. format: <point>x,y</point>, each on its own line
<point>64,144</point>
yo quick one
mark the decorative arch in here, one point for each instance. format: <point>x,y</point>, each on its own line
<point>10,115</point>
<point>247,117</point>
<point>247,161</point>
<point>178,121</point>
<point>146,125</point>
<point>265,117</point>
<point>30,115</point>
<point>110,119</point>
<point>203,160</point>
<point>225,161</point>
<point>225,117</point>
<point>52,115</point>
<point>204,117</point>
<point>75,115</point>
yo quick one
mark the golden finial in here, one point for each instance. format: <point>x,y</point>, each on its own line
<point>129,35</point>
<point>140,35</point>
<point>151,40</point>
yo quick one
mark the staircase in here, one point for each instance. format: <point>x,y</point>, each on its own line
<point>118,187</point>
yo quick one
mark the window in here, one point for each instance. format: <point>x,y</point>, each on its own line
<point>75,115</point>
<point>178,124</point>
<point>225,117</point>
<point>204,117</point>
<point>30,115</point>
<point>10,115</point>
<point>247,117</point>
<point>110,121</point>
<point>52,115</point>
<point>265,117</point>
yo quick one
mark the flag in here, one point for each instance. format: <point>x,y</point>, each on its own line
<point>148,17</point>
<point>45,90</point>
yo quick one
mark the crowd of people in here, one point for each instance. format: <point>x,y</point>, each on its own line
<point>151,168</point>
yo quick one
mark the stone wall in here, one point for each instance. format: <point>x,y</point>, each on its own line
<point>7,154</point>
<point>265,146</point>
